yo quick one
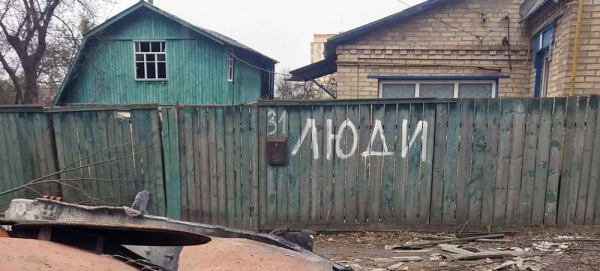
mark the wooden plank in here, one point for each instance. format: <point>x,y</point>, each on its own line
<point>254,174</point>
<point>554,163</point>
<point>576,168</point>
<point>337,181</point>
<point>104,190</point>
<point>282,119</point>
<point>28,159</point>
<point>393,227</point>
<point>427,163</point>
<point>306,160</point>
<point>351,149</point>
<point>450,175</point>
<point>221,166</point>
<point>401,167</point>
<point>204,167</point>
<point>140,151</point>
<point>156,159</point>
<point>387,182</point>
<point>362,191</point>
<point>267,189</point>
<point>414,162</point>
<point>516,162</point>
<point>184,129</point>
<point>475,186</point>
<point>247,157</point>
<point>541,165</point>
<point>127,149</point>
<point>38,150</point>
<point>587,189</point>
<point>5,169</point>
<point>376,152</point>
<point>268,115</point>
<point>504,155</point>
<point>91,187</point>
<point>567,180</point>
<point>593,199</point>
<point>212,167</point>
<point>237,123</point>
<point>230,158</point>
<point>465,154</point>
<point>439,160</point>
<point>173,177</point>
<point>118,184</point>
<point>332,119</point>
<point>316,170</point>
<point>296,123</point>
<point>529,161</point>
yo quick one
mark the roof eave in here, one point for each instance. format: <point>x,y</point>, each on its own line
<point>315,70</point>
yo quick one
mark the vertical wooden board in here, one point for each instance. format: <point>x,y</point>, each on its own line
<point>376,152</point>
<point>387,182</point>
<point>414,162</point>
<point>337,179</point>
<point>439,162</point>
<point>529,161</point>
<point>401,163</point>
<point>568,161</point>
<point>118,185</point>
<point>173,178</point>
<point>247,157</point>
<point>212,166</point>
<point>555,160</point>
<point>475,186</point>
<point>16,156</point>
<point>139,150</point>
<point>182,128</point>
<point>50,149</point>
<point>450,172</point>
<point>268,115</point>
<point>362,166</point>
<point>254,173</point>
<point>351,150</point>
<point>267,189</point>
<point>504,155</point>
<point>23,146</point>
<point>201,149</point>
<point>541,164</point>
<point>575,180</point>
<point>428,137</point>
<point>593,199</point>
<point>221,166</point>
<point>516,162</point>
<point>41,157</point>
<point>6,184</point>
<point>155,157</point>
<point>296,123</point>
<point>70,188</point>
<point>282,180</point>
<point>230,157</point>
<point>587,189</point>
<point>332,120</point>
<point>104,191</point>
<point>316,170</point>
<point>465,154</point>
<point>306,159</point>
<point>128,157</point>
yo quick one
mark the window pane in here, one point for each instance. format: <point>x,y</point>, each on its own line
<point>151,71</point>
<point>145,46</point>
<point>160,57</point>
<point>162,70</point>
<point>436,91</point>
<point>156,46</point>
<point>150,57</point>
<point>139,57</point>
<point>139,70</point>
<point>163,47</point>
<point>475,90</point>
<point>398,91</point>
<point>137,46</point>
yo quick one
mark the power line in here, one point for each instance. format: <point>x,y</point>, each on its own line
<point>258,68</point>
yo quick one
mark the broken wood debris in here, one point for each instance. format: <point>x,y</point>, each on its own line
<point>446,241</point>
<point>487,255</point>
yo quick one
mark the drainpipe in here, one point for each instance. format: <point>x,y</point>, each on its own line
<point>576,49</point>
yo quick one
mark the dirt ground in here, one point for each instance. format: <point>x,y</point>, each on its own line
<point>571,250</point>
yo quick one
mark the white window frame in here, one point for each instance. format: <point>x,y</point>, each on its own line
<point>230,67</point>
<point>155,61</point>
<point>418,83</point>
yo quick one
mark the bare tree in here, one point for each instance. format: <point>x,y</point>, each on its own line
<point>289,90</point>
<point>38,41</point>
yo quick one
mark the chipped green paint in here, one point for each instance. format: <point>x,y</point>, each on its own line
<point>550,197</point>
<point>555,144</point>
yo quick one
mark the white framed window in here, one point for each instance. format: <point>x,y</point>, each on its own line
<point>150,58</point>
<point>438,89</point>
<point>230,67</point>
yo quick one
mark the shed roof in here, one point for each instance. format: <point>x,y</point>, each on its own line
<point>530,7</point>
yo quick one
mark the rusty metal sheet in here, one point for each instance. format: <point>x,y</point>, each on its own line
<point>277,154</point>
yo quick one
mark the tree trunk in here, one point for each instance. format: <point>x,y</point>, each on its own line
<point>30,87</point>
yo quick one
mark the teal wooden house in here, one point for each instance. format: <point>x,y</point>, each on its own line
<point>145,55</point>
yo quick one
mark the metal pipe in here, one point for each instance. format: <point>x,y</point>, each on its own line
<point>576,49</point>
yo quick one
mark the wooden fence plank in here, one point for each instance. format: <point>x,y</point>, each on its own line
<point>171,156</point>
<point>221,166</point>
<point>268,116</point>
<point>282,119</point>
<point>188,195</point>
<point>351,149</point>
<point>414,162</point>
<point>541,165</point>
<point>450,175</point>
<point>516,162</point>
<point>201,149</point>
<point>567,179</point>
<point>490,173</point>
<point>128,158</point>
<point>593,199</point>
<point>5,169</point>
<point>265,178</point>
<point>295,131</point>
<point>479,147</point>
<point>387,188</point>
<point>316,170</point>
<point>401,164</point>
<point>504,155</point>
<point>586,188</point>
<point>155,158</point>
<point>247,157</point>
<point>195,191</point>
<point>363,169</point>
<point>376,152</point>
<point>212,166</point>
<point>306,160</point>
<point>529,162</point>
<point>439,161</point>
<point>230,158</point>
<point>338,179</point>
<point>577,162</point>
<point>465,154</point>
<point>332,120</point>
<point>254,174</point>
<point>554,165</point>
<point>427,163</point>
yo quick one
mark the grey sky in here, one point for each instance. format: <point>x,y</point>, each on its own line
<point>281,29</point>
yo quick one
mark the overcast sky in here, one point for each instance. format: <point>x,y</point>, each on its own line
<point>281,29</point>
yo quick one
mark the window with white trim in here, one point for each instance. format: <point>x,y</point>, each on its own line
<point>150,60</point>
<point>230,67</point>
<point>438,89</point>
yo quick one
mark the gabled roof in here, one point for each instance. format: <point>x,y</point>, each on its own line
<point>306,72</point>
<point>215,36</point>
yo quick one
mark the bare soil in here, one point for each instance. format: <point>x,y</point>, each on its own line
<point>366,251</point>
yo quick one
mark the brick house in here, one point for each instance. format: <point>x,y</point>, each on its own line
<point>467,48</point>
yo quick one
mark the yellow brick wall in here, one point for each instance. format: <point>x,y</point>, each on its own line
<point>422,45</point>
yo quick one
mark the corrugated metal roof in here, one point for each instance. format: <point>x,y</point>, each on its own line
<point>314,71</point>
<point>529,7</point>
